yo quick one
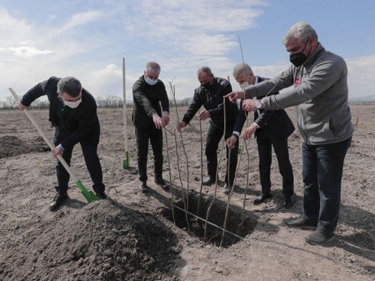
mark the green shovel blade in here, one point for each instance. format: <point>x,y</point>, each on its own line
<point>89,195</point>
<point>126,161</point>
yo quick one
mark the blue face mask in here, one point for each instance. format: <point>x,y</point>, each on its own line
<point>151,82</point>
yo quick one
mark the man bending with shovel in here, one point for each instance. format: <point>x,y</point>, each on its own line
<point>73,113</point>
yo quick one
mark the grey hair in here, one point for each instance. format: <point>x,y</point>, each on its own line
<point>69,85</point>
<point>205,69</point>
<point>241,68</point>
<point>153,66</point>
<point>302,31</point>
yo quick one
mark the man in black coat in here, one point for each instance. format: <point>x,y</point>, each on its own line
<point>210,94</point>
<point>271,128</point>
<point>148,119</point>
<point>73,113</point>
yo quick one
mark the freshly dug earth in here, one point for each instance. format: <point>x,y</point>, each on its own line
<point>135,236</point>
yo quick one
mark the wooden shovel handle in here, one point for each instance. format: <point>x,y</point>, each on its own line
<point>47,140</point>
<point>124,104</point>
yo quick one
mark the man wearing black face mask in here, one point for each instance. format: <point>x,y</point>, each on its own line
<point>299,58</point>
<point>210,94</point>
<point>320,94</point>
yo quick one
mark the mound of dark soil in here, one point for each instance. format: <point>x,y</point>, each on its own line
<point>13,146</point>
<point>102,241</point>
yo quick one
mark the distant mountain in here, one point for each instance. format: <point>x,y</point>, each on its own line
<point>363,99</point>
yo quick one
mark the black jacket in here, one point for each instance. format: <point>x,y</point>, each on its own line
<point>213,102</point>
<point>277,121</point>
<point>82,121</point>
<point>147,100</point>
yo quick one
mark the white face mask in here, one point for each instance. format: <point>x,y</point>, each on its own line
<point>244,85</point>
<point>73,104</point>
<point>150,81</point>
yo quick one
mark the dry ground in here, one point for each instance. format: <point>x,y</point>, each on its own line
<point>132,236</point>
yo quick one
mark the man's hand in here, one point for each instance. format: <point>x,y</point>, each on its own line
<point>234,96</point>
<point>231,141</point>
<point>204,115</point>
<point>165,118</point>
<point>248,132</point>
<point>181,125</point>
<point>22,107</point>
<point>249,105</point>
<point>58,150</point>
<point>157,121</point>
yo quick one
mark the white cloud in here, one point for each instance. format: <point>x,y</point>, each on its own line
<point>196,27</point>
<point>28,52</point>
<point>361,74</point>
<point>81,19</point>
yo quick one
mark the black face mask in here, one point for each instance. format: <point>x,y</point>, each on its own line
<point>207,86</point>
<point>298,58</point>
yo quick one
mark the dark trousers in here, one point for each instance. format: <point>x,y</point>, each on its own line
<point>89,147</point>
<point>156,138</point>
<point>265,140</point>
<point>322,174</point>
<point>214,135</point>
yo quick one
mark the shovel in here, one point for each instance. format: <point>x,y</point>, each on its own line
<point>89,195</point>
<point>126,161</point>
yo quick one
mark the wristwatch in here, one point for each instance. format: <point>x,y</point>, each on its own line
<point>258,105</point>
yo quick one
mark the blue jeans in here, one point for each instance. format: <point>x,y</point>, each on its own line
<point>322,173</point>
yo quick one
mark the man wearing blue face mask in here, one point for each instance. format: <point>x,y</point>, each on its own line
<point>320,95</point>
<point>73,113</point>
<point>149,118</point>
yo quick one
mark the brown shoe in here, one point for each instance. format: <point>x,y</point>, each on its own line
<point>318,238</point>
<point>302,224</point>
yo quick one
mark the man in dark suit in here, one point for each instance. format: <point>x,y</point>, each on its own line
<point>271,128</point>
<point>72,112</point>
<point>210,94</point>
<point>148,119</point>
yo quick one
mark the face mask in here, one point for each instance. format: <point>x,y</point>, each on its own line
<point>151,82</point>
<point>298,58</point>
<point>244,85</point>
<point>207,85</point>
<point>73,104</point>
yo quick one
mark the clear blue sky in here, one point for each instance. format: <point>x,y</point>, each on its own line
<point>88,39</point>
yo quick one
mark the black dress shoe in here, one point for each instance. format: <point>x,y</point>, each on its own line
<point>208,181</point>
<point>261,198</point>
<point>288,202</point>
<point>58,200</point>
<point>227,188</point>
<point>161,182</point>
<point>101,195</point>
<point>143,186</point>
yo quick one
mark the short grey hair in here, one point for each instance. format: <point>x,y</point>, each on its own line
<point>204,69</point>
<point>69,85</point>
<point>153,66</point>
<point>241,68</point>
<point>302,31</point>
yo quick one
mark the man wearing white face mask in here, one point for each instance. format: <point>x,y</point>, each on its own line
<point>149,118</point>
<point>271,129</point>
<point>73,114</point>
